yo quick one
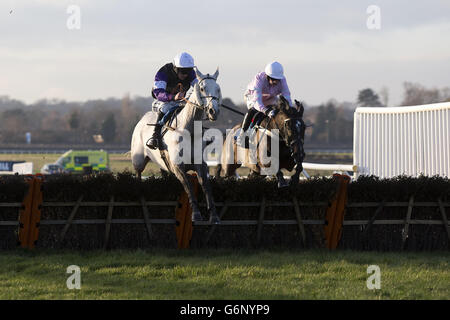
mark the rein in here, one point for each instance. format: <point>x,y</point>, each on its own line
<point>193,103</point>
<point>289,145</point>
<point>284,124</point>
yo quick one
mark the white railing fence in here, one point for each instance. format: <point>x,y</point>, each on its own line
<point>402,141</point>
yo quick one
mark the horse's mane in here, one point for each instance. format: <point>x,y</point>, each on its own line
<point>281,110</point>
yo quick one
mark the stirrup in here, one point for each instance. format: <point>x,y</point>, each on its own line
<point>152,146</point>
<point>252,133</point>
<point>251,138</point>
<point>240,138</point>
<point>161,145</point>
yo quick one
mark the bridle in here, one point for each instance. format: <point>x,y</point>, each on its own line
<point>292,143</point>
<point>299,134</point>
<point>203,105</point>
<point>285,124</point>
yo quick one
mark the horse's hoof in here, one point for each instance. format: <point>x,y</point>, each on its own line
<point>214,219</point>
<point>196,216</point>
<point>282,184</point>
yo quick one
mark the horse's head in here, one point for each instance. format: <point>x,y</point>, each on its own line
<point>208,94</point>
<point>292,128</point>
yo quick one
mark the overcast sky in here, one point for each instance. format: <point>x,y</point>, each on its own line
<point>325,46</point>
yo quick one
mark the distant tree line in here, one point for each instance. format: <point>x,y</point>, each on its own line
<point>111,121</point>
<point>332,124</point>
<point>61,122</point>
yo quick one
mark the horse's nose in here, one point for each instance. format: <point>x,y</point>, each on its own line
<point>212,114</point>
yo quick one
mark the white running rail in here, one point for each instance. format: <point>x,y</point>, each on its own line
<point>402,140</point>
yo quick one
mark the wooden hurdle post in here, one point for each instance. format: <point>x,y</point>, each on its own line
<point>108,222</point>
<point>183,216</point>
<point>30,213</point>
<point>405,231</point>
<point>301,227</point>
<point>444,221</point>
<point>335,213</point>
<point>71,217</point>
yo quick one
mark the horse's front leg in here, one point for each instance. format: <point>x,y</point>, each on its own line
<point>281,181</point>
<point>295,177</point>
<point>202,175</point>
<point>184,179</point>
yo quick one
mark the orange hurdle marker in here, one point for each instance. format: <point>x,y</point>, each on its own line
<point>30,212</point>
<point>183,216</point>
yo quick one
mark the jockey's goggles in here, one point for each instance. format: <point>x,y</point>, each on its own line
<point>184,70</point>
<point>273,79</point>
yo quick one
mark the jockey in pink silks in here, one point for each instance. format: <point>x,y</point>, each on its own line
<point>262,94</point>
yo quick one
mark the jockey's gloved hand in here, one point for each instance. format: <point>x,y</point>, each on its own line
<point>272,113</point>
<point>268,110</point>
<point>179,96</point>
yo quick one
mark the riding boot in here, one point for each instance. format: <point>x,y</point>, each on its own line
<point>245,124</point>
<point>155,141</point>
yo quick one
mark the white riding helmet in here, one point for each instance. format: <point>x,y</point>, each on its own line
<point>183,60</point>
<point>274,70</point>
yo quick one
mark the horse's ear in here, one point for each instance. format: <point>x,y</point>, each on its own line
<point>216,74</point>
<point>277,105</point>
<point>282,103</point>
<point>199,75</point>
<point>300,108</point>
<point>285,103</point>
<point>197,93</point>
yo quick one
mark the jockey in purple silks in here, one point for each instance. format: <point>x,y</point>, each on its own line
<point>262,93</point>
<point>172,82</point>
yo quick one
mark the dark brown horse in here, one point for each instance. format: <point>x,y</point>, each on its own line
<point>291,128</point>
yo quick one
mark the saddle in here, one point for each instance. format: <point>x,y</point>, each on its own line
<point>254,127</point>
<point>168,124</point>
<point>256,120</point>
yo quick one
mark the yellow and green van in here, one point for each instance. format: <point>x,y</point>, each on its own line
<point>82,161</point>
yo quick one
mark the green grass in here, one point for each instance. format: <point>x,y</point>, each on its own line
<point>38,159</point>
<point>122,162</point>
<point>118,162</point>
<point>223,274</point>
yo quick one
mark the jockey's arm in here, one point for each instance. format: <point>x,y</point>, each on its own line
<point>159,87</point>
<point>163,95</point>
<point>258,96</point>
<point>179,96</point>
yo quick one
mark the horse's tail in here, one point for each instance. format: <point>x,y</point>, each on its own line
<point>218,170</point>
